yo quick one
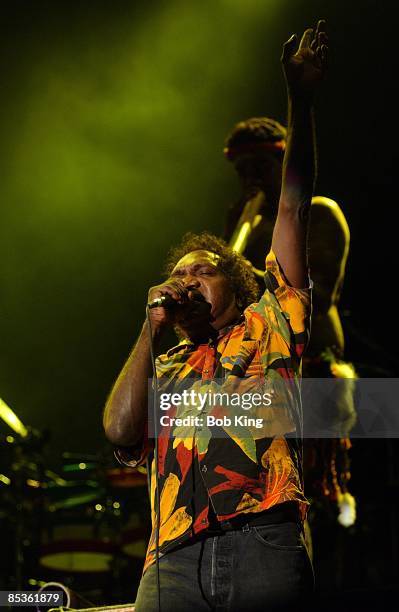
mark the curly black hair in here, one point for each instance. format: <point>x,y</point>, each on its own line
<point>233,265</point>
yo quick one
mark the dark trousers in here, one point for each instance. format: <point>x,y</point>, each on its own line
<point>262,568</point>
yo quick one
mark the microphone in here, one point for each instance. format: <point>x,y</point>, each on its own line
<point>166,301</point>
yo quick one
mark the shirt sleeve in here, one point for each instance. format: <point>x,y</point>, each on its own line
<point>296,304</point>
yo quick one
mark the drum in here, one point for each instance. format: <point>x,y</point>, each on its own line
<point>134,539</point>
<point>130,487</point>
<point>93,538</point>
<point>125,478</point>
<point>73,548</point>
<point>77,537</point>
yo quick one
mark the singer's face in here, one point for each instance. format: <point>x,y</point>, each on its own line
<point>198,272</point>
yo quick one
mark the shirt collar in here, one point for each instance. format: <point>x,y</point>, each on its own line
<point>225,330</point>
<point>186,343</point>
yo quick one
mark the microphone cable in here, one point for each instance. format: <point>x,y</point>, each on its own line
<point>157,502</point>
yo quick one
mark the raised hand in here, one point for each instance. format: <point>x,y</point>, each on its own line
<point>304,67</point>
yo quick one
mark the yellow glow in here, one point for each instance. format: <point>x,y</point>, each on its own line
<point>340,218</point>
<point>57,479</point>
<point>241,240</point>
<point>33,483</point>
<point>248,221</point>
<point>4,479</point>
<point>12,420</point>
<point>82,466</point>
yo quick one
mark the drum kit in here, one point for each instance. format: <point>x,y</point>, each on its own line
<point>85,526</point>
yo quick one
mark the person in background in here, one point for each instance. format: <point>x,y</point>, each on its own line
<point>256,147</point>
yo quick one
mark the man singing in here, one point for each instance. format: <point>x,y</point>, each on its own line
<point>231,508</point>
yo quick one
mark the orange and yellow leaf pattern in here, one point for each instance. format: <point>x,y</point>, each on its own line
<point>234,474</point>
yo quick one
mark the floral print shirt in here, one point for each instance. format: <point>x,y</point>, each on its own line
<point>232,474</point>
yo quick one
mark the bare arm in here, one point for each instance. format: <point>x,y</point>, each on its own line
<point>125,413</point>
<point>303,70</point>
<point>126,409</point>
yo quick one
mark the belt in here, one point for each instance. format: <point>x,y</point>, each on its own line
<point>281,513</point>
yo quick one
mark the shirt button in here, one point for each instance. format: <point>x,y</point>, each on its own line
<point>204,469</point>
<point>206,371</point>
<point>204,521</point>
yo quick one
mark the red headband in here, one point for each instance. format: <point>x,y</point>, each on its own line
<point>232,152</point>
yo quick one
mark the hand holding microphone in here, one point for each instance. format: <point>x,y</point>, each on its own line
<point>164,301</point>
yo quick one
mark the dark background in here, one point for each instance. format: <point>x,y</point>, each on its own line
<point>113,117</point>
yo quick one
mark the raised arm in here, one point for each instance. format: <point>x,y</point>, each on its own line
<point>303,67</point>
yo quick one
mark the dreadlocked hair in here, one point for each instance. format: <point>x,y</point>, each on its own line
<point>234,266</point>
<point>256,130</point>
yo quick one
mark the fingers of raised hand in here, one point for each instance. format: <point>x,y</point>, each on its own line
<point>319,44</point>
<point>319,40</point>
<point>289,48</point>
<point>307,38</point>
<point>321,51</point>
<point>321,27</point>
<point>322,54</point>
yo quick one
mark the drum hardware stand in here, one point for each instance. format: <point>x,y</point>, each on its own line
<point>71,599</point>
<point>25,475</point>
<point>74,601</point>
